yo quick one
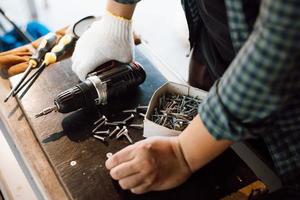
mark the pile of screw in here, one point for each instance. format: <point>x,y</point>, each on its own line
<point>175,111</point>
<point>118,132</point>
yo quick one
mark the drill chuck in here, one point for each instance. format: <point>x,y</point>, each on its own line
<point>101,87</point>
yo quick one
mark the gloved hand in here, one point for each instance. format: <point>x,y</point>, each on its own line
<point>110,38</point>
<point>152,164</point>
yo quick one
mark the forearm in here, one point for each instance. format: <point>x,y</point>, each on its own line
<point>119,9</point>
<point>198,146</point>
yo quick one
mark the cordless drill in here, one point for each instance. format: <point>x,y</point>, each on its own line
<point>109,81</point>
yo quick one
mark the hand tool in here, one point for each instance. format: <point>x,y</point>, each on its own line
<point>111,81</point>
<point>45,46</point>
<point>64,44</point>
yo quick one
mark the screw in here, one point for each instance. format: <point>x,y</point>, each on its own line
<point>123,129</point>
<point>127,136</point>
<point>110,124</point>
<point>142,115</point>
<point>102,132</point>
<point>103,139</point>
<point>130,111</point>
<point>120,123</point>
<point>125,133</point>
<point>128,118</point>
<point>101,124</point>
<point>137,126</point>
<point>114,131</point>
<point>121,133</point>
<point>142,107</point>
<point>99,120</point>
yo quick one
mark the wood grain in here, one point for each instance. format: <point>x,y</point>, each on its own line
<point>30,150</point>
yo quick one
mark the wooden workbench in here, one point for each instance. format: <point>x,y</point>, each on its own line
<point>49,144</point>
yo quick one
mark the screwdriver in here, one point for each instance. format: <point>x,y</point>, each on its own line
<point>45,46</point>
<point>64,44</point>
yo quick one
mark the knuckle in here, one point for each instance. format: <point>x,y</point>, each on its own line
<point>115,160</point>
<point>145,146</point>
<point>114,174</point>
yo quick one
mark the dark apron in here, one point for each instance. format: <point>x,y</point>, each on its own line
<point>210,39</point>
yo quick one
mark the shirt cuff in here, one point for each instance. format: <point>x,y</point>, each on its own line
<point>220,123</point>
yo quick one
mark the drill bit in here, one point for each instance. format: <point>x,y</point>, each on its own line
<point>46,111</point>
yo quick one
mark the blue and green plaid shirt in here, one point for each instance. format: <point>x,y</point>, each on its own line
<point>259,94</point>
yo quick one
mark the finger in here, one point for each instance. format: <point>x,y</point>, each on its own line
<point>23,53</point>
<point>124,155</point>
<point>10,60</point>
<point>20,49</point>
<point>17,69</point>
<point>131,181</point>
<point>141,189</point>
<point>123,170</point>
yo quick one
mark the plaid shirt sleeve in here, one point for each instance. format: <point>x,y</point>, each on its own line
<point>127,1</point>
<point>262,78</point>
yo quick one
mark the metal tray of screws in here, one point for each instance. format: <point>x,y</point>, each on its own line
<point>181,93</point>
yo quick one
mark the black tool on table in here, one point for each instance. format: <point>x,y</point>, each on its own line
<point>111,81</point>
<point>65,43</point>
<point>45,46</point>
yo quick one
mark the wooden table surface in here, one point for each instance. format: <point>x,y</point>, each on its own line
<point>67,137</point>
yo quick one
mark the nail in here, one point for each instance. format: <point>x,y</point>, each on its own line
<point>110,124</point>
<point>127,136</point>
<point>128,118</point>
<point>137,126</point>
<point>142,107</point>
<point>114,131</point>
<point>102,132</point>
<point>130,111</point>
<point>103,139</point>
<point>99,126</point>
<point>142,114</point>
<point>99,120</point>
<point>120,123</point>
<point>124,128</point>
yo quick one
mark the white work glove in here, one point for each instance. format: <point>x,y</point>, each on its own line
<point>110,38</point>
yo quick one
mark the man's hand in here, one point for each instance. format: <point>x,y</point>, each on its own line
<point>161,163</point>
<point>149,165</point>
<point>110,38</point>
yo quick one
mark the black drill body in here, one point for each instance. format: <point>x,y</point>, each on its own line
<point>110,81</point>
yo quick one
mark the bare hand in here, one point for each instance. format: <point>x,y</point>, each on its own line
<point>152,164</point>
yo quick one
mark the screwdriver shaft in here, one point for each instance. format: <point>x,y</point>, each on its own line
<point>46,111</point>
<point>30,80</point>
<point>12,91</point>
